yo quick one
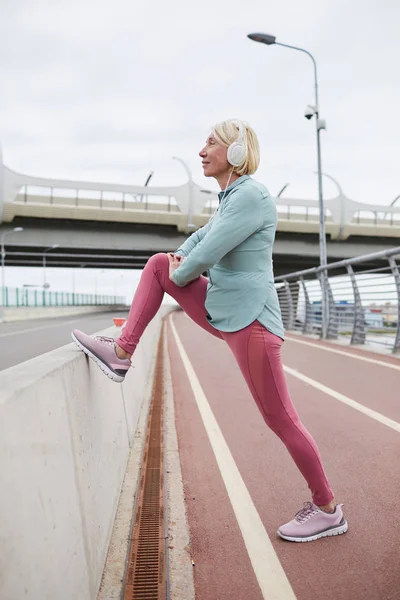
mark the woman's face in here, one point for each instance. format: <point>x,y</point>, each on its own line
<point>214,161</point>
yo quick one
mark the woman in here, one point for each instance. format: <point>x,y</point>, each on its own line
<point>238,303</point>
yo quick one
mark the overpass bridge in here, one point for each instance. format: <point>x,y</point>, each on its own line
<point>121,226</point>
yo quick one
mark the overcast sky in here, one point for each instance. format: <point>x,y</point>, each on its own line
<point>107,91</point>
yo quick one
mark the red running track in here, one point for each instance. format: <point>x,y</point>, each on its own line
<point>361,457</point>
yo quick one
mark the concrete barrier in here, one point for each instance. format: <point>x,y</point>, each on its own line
<point>23,313</point>
<point>65,433</point>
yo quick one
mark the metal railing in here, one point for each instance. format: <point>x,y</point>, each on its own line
<point>288,209</point>
<point>96,198</point>
<point>363,303</point>
<point>17,297</point>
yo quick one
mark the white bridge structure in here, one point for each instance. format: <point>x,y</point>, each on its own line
<point>186,207</point>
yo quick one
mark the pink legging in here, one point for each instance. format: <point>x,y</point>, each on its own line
<point>258,353</point>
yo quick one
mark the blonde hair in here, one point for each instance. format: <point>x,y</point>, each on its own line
<point>226,132</point>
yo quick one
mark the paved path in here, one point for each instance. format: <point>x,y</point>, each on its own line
<point>22,340</point>
<point>350,402</point>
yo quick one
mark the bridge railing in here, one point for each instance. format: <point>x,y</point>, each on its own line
<point>104,199</point>
<point>96,198</point>
<point>288,209</point>
<point>18,297</point>
<point>363,303</point>
<point>311,214</point>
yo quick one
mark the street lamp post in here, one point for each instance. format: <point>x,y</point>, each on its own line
<point>3,257</point>
<point>264,38</point>
<point>190,226</point>
<point>44,262</point>
<point>146,185</point>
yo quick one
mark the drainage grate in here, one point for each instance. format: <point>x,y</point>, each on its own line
<point>146,570</point>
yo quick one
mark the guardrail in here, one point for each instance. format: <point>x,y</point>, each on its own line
<point>343,216</point>
<point>363,305</point>
<point>290,209</point>
<point>97,198</point>
<point>15,297</point>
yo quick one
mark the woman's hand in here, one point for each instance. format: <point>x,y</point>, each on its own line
<point>175,261</point>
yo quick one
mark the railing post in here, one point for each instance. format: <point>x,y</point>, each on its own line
<point>307,327</point>
<point>358,334</point>
<point>35,297</point>
<point>332,329</point>
<point>396,275</point>
<point>288,321</point>
<point>331,324</point>
<point>17,296</point>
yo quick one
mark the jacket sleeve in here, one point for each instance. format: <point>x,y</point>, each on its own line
<point>243,214</point>
<point>193,240</point>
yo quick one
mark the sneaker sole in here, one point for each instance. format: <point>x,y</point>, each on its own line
<point>327,533</point>
<point>106,370</point>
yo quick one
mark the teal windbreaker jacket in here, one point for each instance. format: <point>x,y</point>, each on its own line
<point>235,247</point>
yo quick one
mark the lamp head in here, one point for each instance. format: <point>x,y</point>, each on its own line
<point>263,38</point>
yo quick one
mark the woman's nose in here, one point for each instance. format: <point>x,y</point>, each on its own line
<point>202,152</point>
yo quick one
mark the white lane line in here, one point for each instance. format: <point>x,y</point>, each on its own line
<point>342,398</point>
<point>33,329</point>
<point>268,570</point>
<point>41,328</point>
<point>364,358</point>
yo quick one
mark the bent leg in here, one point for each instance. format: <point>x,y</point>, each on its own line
<point>258,353</point>
<point>154,282</point>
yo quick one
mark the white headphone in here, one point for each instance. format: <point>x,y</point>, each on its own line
<point>237,151</point>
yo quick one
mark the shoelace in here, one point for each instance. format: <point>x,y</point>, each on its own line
<point>306,512</point>
<point>105,339</point>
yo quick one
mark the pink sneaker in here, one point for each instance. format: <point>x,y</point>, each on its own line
<point>312,523</point>
<point>102,350</point>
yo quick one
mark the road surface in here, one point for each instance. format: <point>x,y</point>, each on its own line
<point>350,402</point>
<point>22,340</point>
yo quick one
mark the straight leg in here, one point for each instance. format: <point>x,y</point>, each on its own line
<point>258,353</point>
